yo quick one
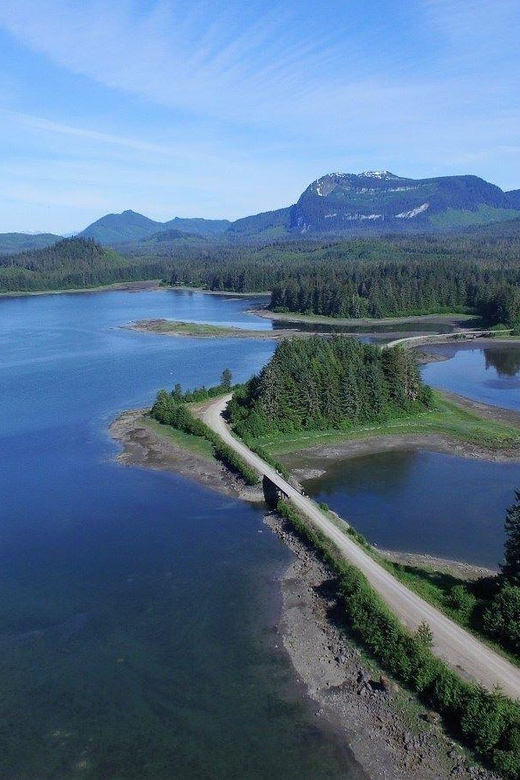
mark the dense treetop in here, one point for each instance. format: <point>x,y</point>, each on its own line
<point>322,383</point>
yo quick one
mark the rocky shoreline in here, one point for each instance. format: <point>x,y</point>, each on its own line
<point>390,735</point>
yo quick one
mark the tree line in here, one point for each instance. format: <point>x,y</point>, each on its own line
<point>316,383</point>
<point>359,277</point>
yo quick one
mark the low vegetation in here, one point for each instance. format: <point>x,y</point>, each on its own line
<point>444,418</point>
<point>172,409</point>
<point>488,723</point>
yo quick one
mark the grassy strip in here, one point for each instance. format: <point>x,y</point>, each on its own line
<point>461,601</point>
<point>178,416</point>
<point>187,441</point>
<point>488,723</point>
<point>189,328</point>
<point>445,418</point>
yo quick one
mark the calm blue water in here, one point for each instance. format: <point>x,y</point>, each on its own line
<point>429,502</point>
<point>424,502</point>
<point>134,633</point>
<point>490,374</point>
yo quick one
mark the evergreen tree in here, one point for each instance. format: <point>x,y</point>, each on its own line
<point>226,378</point>
<point>511,566</point>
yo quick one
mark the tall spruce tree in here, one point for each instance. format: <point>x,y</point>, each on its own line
<point>511,566</point>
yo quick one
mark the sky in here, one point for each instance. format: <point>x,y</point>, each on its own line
<point>221,109</point>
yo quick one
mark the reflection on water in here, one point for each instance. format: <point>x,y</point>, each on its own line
<point>505,361</point>
<point>490,374</point>
<point>423,502</point>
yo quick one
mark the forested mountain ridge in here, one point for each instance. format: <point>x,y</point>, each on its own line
<point>25,242</point>
<point>340,203</point>
<point>113,229</point>
<point>380,200</point>
<point>69,264</point>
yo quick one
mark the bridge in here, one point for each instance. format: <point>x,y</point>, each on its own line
<point>462,651</point>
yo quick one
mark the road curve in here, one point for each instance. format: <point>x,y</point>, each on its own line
<point>462,651</point>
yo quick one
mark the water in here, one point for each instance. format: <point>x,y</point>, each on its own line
<point>137,608</point>
<point>489,374</point>
<point>423,502</point>
<point>428,502</point>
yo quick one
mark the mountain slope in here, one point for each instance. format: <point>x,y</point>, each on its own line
<point>24,242</point>
<point>269,224</point>
<point>380,200</point>
<point>204,227</point>
<point>116,228</point>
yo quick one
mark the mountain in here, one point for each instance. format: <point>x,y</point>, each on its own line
<point>514,198</point>
<point>11,243</point>
<point>269,224</point>
<point>339,203</point>
<point>380,200</point>
<point>131,226</point>
<point>203,227</point>
<point>117,228</point>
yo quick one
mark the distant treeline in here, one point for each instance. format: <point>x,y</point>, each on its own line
<point>315,384</point>
<point>73,263</point>
<point>370,277</point>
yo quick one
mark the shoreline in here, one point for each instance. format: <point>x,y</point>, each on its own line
<point>142,446</point>
<point>364,322</point>
<point>141,286</point>
<point>390,734</point>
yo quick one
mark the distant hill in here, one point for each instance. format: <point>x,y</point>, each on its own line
<point>203,227</point>
<point>117,228</point>
<point>128,226</point>
<point>380,200</point>
<point>72,263</point>
<point>23,242</point>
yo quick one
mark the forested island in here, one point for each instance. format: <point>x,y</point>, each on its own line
<point>318,384</point>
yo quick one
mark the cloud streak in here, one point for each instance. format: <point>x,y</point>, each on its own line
<point>249,102</point>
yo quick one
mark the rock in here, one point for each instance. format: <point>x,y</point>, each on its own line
<point>431,717</point>
<point>384,683</point>
<point>457,771</point>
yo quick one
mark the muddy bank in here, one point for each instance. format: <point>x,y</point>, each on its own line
<point>165,327</point>
<point>143,446</point>
<point>151,284</point>
<point>464,571</point>
<point>441,319</point>
<point>312,462</point>
<point>389,733</point>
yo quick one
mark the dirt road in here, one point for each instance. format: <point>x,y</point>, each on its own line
<point>463,652</point>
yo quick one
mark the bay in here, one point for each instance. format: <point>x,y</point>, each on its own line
<point>137,610</point>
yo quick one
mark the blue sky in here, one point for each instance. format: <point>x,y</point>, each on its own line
<point>223,109</point>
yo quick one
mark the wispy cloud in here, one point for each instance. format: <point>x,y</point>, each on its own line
<point>232,108</point>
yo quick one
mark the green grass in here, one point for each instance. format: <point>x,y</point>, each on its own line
<point>446,418</point>
<point>189,328</point>
<point>196,444</point>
